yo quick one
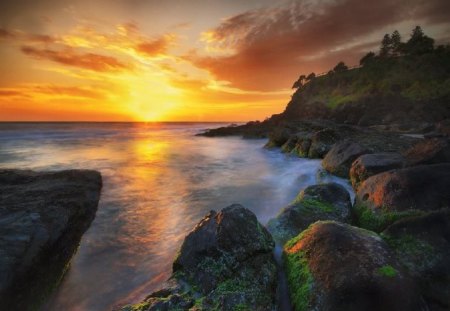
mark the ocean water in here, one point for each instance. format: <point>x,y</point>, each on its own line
<point>159,180</point>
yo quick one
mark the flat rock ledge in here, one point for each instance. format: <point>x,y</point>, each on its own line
<point>43,216</point>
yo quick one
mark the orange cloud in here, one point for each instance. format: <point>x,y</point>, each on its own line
<point>38,91</point>
<point>69,57</point>
<point>267,48</point>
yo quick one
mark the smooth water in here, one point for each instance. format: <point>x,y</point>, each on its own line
<point>159,180</point>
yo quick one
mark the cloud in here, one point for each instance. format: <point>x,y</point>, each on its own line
<point>51,91</point>
<point>17,35</point>
<point>266,49</point>
<point>69,57</point>
<point>155,47</point>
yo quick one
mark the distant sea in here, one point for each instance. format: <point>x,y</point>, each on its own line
<point>159,181</point>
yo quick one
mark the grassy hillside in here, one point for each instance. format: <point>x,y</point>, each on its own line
<point>405,79</point>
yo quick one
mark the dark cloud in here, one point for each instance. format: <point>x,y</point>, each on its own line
<point>272,46</point>
<point>69,57</point>
<point>7,34</point>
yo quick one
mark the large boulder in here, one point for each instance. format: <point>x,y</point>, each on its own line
<point>318,202</point>
<point>42,218</point>
<point>333,266</point>
<point>371,164</point>
<point>422,245</point>
<point>321,142</point>
<point>225,263</point>
<point>389,196</point>
<point>428,151</point>
<point>339,159</point>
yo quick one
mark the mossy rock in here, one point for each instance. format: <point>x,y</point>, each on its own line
<point>334,266</point>
<point>318,202</point>
<point>225,263</point>
<point>422,245</point>
<point>387,197</point>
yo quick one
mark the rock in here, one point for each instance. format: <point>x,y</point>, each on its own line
<point>278,137</point>
<point>333,266</point>
<point>389,196</point>
<point>444,127</point>
<point>339,159</point>
<point>289,145</point>
<point>301,148</point>
<point>42,218</point>
<point>371,164</point>
<point>422,245</point>
<point>225,263</point>
<point>321,143</point>
<point>319,202</point>
<point>428,151</point>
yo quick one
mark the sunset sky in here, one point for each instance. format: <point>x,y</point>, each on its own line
<point>190,60</point>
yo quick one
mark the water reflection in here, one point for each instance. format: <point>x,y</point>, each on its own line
<point>159,180</point>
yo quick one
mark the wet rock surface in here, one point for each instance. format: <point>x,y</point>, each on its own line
<point>333,266</point>
<point>422,245</point>
<point>318,202</point>
<point>42,218</point>
<point>389,196</point>
<point>428,151</point>
<point>371,164</point>
<point>225,263</point>
<point>341,156</point>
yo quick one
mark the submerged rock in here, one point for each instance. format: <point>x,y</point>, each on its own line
<point>428,151</point>
<point>225,263</point>
<point>319,202</point>
<point>389,196</point>
<point>371,164</point>
<point>42,218</point>
<point>339,159</point>
<point>333,266</point>
<point>422,245</point>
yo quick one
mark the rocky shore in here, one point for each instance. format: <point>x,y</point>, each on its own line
<point>43,216</point>
<point>387,250</point>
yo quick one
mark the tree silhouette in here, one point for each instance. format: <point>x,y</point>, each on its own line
<point>386,46</point>
<point>299,83</point>
<point>396,43</point>
<point>310,77</point>
<point>340,67</point>
<point>419,43</point>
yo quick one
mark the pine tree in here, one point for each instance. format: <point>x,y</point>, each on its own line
<point>386,46</point>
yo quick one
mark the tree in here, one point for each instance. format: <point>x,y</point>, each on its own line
<point>366,59</point>
<point>340,67</point>
<point>299,83</point>
<point>419,43</point>
<point>386,46</point>
<point>311,76</point>
<point>396,43</point>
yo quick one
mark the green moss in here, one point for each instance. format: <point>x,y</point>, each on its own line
<point>299,278</point>
<point>368,219</point>
<point>387,271</point>
<point>413,253</point>
<point>318,205</point>
<point>136,307</point>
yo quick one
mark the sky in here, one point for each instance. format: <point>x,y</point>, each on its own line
<point>185,60</point>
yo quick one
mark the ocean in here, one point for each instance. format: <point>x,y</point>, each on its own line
<point>159,180</point>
